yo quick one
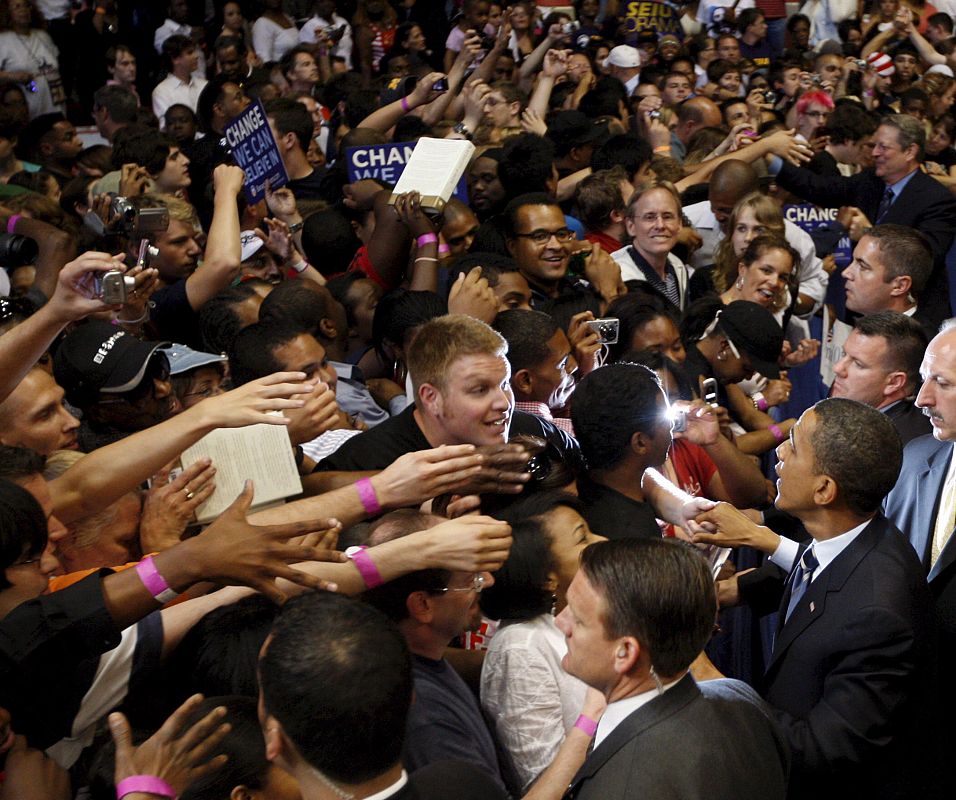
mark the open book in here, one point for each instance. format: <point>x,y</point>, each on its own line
<point>260,453</point>
<point>434,169</point>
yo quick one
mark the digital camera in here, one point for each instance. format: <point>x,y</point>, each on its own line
<point>607,328</point>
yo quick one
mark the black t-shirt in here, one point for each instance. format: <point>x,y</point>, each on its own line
<point>945,157</point>
<point>611,514</point>
<point>377,448</point>
<point>701,284</point>
<point>172,318</point>
<point>309,187</point>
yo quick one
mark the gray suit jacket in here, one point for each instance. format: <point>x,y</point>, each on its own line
<point>912,506</point>
<point>712,740</point>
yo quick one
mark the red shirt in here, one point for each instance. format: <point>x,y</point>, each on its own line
<point>608,243</point>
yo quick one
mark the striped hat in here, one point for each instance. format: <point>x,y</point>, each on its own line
<point>881,64</point>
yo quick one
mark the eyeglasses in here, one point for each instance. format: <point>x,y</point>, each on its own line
<point>206,392</point>
<point>477,584</point>
<point>649,217</point>
<point>541,236</point>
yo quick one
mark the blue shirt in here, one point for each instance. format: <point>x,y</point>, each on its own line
<point>354,397</point>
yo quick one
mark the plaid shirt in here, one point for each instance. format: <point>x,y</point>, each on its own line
<point>542,410</point>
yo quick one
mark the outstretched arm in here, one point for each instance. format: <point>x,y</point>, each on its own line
<point>72,300</point>
<point>108,473</point>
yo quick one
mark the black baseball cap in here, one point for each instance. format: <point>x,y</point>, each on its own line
<point>755,333</point>
<point>569,129</point>
<point>100,357</point>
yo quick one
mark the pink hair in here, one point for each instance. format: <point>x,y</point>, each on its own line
<point>817,96</point>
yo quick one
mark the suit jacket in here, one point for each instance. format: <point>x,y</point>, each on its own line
<point>848,672</point>
<point>925,204</point>
<point>909,421</point>
<point>912,505</point>
<point>714,740</point>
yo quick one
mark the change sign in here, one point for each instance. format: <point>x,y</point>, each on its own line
<point>255,150</point>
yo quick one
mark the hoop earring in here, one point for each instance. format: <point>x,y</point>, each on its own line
<point>739,284</point>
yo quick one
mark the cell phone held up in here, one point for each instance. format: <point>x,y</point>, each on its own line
<point>709,388</point>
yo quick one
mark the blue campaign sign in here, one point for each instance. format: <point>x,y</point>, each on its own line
<point>386,162</point>
<point>812,219</point>
<point>255,150</point>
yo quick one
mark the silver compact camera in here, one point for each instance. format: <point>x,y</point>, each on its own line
<point>770,96</point>
<point>607,328</point>
<point>112,287</point>
<point>570,27</point>
<point>139,221</point>
<point>653,114</point>
<point>678,418</point>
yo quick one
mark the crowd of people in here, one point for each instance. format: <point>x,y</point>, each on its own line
<point>627,470</point>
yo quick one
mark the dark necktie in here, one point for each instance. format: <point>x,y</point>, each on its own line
<point>801,579</point>
<point>885,204</point>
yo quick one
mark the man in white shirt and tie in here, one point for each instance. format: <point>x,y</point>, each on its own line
<point>851,664</point>
<point>639,612</point>
<point>923,502</point>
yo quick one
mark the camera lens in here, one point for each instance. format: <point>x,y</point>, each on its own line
<point>15,250</point>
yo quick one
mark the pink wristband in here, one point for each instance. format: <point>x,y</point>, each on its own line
<point>777,433</point>
<point>366,567</point>
<point>154,582</point>
<point>405,107</point>
<point>144,783</point>
<point>443,249</point>
<point>427,238</point>
<point>368,497</point>
<point>586,724</point>
<point>761,402</point>
<point>12,222</point>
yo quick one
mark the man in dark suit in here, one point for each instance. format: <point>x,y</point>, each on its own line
<point>889,272</point>
<point>922,502</point>
<point>880,367</point>
<point>852,654</point>
<point>335,689</point>
<point>639,612</point>
<point>895,190</point>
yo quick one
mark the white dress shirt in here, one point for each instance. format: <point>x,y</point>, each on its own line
<point>620,710</point>
<point>826,550</point>
<point>172,90</point>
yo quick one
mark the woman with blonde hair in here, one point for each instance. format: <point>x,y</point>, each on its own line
<point>753,216</point>
<point>942,93</point>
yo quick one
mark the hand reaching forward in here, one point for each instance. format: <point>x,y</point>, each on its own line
<point>175,754</point>
<point>234,552</point>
